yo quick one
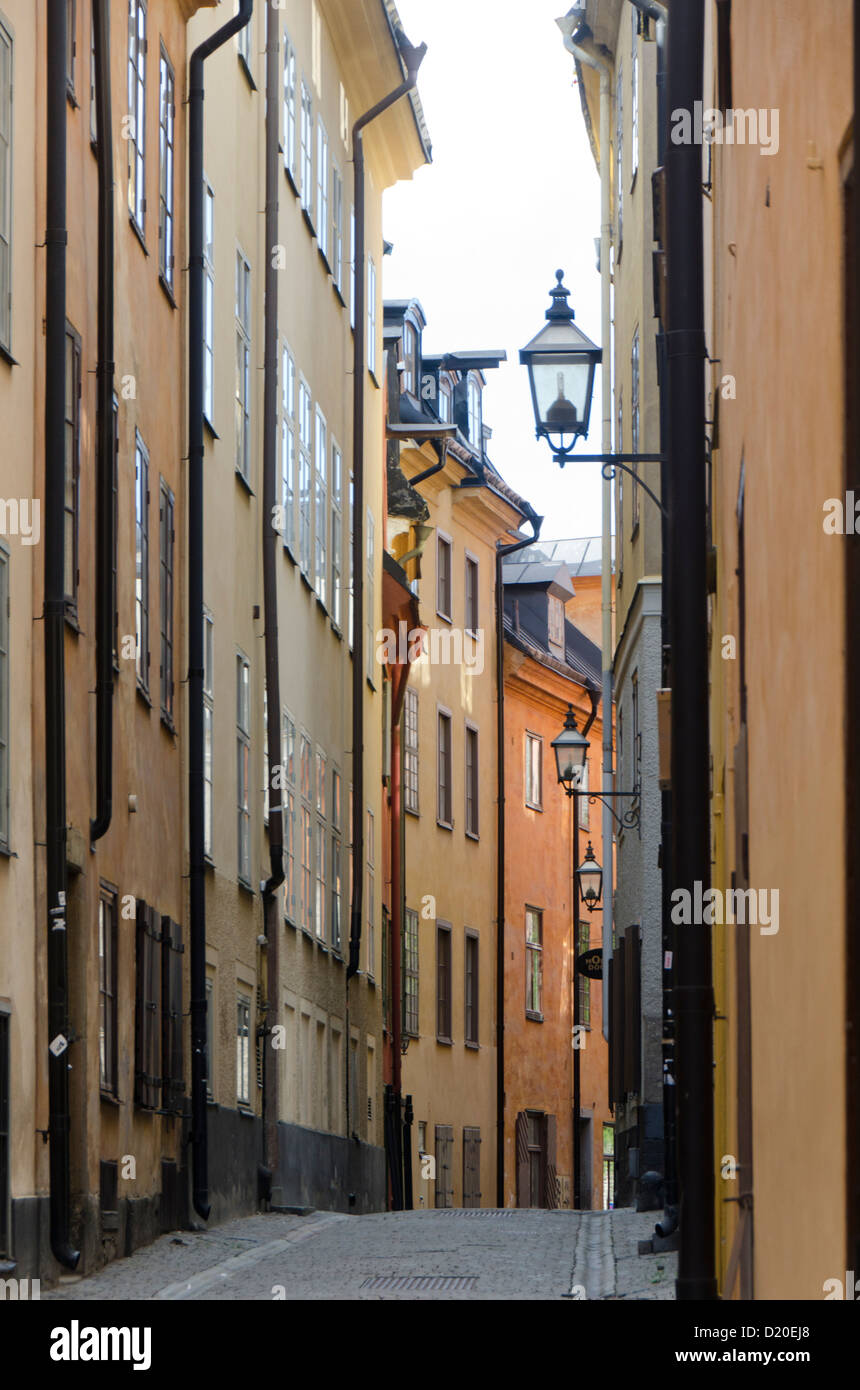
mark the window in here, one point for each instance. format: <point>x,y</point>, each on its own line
<point>476,433</point>
<point>370,905</point>
<point>307,835</point>
<point>351,589</point>
<point>210,1038</point>
<point>534,962</point>
<point>208,301</point>
<point>619,159</point>
<point>5,689</point>
<point>410,751</point>
<point>608,1167</point>
<point>336,227</point>
<point>320,905</point>
<point>307,150</point>
<point>534,772</point>
<point>471,781</point>
<point>637,732</point>
<point>445,400</point>
<point>93,125</point>
<point>322,188</point>
<point>471,989</point>
<point>352,269</point>
<point>72,468</point>
<point>444,814</point>
<point>147,1039</point>
<point>208,728</point>
<point>634,104</point>
<point>371,316</point>
<point>583,983</point>
<point>289,107</point>
<point>336,535</point>
<point>582,799</point>
<point>370,599</point>
<point>243,366</point>
<point>288,447</point>
<point>267,780</point>
<point>6,88</point>
<point>166,124</point>
<point>634,424</point>
<point>443,982</point>
<point>243,1049</point>
<point>444,551</point>
<point>619,497</point>
<point>71,48</point>
<point>243,39</point>
<point>107,990</point>
<point>141,583</point>
<point>289,816</point>
<point>243,766</point>
<point>344,116</point>
<point>321,504</point>
<point>410,973</point>
<point>336,861</point>
<point>115,552</point>
<point>316,46</point>
<point>167,541</point>
<point>172,1069</point>
<point>555,625</point>
<point>410,359</point>
<point>304,478</point>
<point>472,620</point>
<point>137,113</point>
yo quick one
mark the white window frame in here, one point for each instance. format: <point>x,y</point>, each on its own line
<point>7,95</point>
<point>5,693</point>
<point>288,446</point>
<point>370,895</point>
<point>305,476</point>
<point>472,600</point>
<point>307,147</point>
<point>137,54</point>
<point>411,759</point>
<point>336,492</point>
<point>336,821</point>
<point>243,365</point>
<point>141,586</point>
<point>370,597</point>
<point>243,767</point>
<point>475,413</point>
<point>288,781</point>
<point>336,227</point>
<point>244,1005</point>
<point>166,164</point>
<point>535,804</point>
<point>208,300</point>
<point>634,103</point>
<point>290,120</point>
<point>322,189</point>
<point>320,506</point>
<point>208,730</point>
<point>371,316</point>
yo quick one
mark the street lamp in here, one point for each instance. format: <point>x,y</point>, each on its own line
<point>589,876</point>
<point>561,362</point>
<point>571,749</point>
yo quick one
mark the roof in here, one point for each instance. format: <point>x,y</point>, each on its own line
<point>583,555</point>
<point>582,657</point>
<point>555,577</point>
<point>399,35</point>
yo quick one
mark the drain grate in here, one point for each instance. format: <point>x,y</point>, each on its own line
<point>482,1211</point>
<point>421,1283</point>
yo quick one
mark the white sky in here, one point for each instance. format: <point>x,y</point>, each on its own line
<point>512,195</point>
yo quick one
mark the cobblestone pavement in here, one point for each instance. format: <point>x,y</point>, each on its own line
<point>452,1255</point>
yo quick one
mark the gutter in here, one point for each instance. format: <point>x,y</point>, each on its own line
<point>502,552</point>
<point>413,58</point>
<point>270,886</point>
<point>56,241</point>
<point>105,441</point>
<point>196,785</point>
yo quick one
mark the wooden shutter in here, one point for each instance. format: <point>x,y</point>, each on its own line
<point>471,1166</point>
<point>147,1080</point>
<point>444,1172</point>
<point>550,1181</point>
<point>617,1023</point>
<point>632,1021</point>
<point>523,1191</point>
<point>172,1087</point>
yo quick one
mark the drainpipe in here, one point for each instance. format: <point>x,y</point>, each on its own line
<point>105,443</point>
<point>502,552</point>
<point>607,829</point>
<point>196,786</point>
<point>686,498</point>
<point>414,58</point>
<point>56,240</point>
<point>270,886</point>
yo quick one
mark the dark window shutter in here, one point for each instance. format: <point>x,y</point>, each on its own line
<point>153,1009</point>
<point>550,1183</point>
<point>471,1166</point>
<point>632,1023</point>
<point>618,979</point>
<point>523,1194</point>
<point>172,1085</point>
<point>444,1173</point>
<point>140,1004</point>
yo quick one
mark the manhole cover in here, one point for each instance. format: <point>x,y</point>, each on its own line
<point>420,1283</point>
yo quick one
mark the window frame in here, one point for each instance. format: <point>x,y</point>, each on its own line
<point>533,738</point>
<point>471,594</point>
<point>167,545</point>
<point>336,502</point>
<point>305,479</point>
<point>445,716</point>
<point>243,768</point>
<point>411,969</point>
<point>322,191</point>
<point>471,740</point>
<point>244,1004</point>
<point>444,540</point>
<point>7,40</point>
<point>166,165</point>
<point>475,413</point>
<point>306,150</point>
<point>372,317</point>
<point>208,302</point>
<point>208,732</point>
<point>471,1028</point>
<point>320,506</point>
<point>370,893</point>
<point>444,958</point>
<point>73,388</point>
<point>5,697</point>
<point>290,110</point>
<point>534,962</point>
<point>411,755</point>
<point>242,396</point>
<point>288,447</point>
<point>138,47</point>
<point>142,502</point>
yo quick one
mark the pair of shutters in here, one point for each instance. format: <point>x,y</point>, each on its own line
<point>625,1017</point>
<point>444,1166</point>
<point>471,1166</point>
<point>158,1070</point>
<point>548,1130</point>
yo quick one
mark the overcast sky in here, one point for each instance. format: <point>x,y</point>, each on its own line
<point>512,195</point>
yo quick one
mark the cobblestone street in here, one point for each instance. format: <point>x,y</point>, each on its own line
<point>454,1254</point>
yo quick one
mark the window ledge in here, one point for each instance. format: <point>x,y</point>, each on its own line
<point>107,1099</point>
<point>291,180</point>
<point>144,694</point>
<point>71,619</point>
<point>324,258</point>
<point>338,293</point>
<point>336,630</point>
<point>245,885</point>
<point>372,374</point>
<point>444,616</point>
<point>168,725</point>
<point>245,1110</point>
<point>444,825</point>
<point>138,231</point>
<point>473,835</point>
<point>530,806</point>
<point>288,551</point>
<point>208,425</point>
<point>535,1018</point>
<point>472,1046</point>
<point>243,64</point>
<point>288,921</point>
<point>7,853</point>
<point>171,298</point>
<point>309,221</point>
<point>321,606</point>
<point>444,1042</point>
<point>307,583</point>
<point>7,357</point>
<point>240,476</point>
<point>409,811</point>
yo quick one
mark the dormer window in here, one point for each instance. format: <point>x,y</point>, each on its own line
<point>555,625</point>
<point>476,430</point>
<point>410,359</point>
<point>445,400</point>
